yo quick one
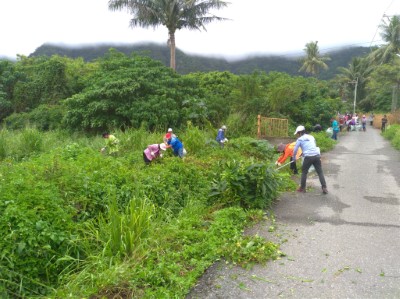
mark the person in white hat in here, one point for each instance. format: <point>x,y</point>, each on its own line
<point>152,152</point>
<point>312,156</point>
<point>168,132</point>
<point>221,136</point>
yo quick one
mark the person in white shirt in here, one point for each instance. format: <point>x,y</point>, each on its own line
<point>312,156</point>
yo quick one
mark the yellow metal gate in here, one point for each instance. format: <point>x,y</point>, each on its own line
<point>272,127</point>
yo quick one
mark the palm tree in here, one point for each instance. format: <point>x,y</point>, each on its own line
<point>173,14</point>
<point>391,35</point>
<point>313,61</point>
<point>359,71</point>
<point>388,53</point>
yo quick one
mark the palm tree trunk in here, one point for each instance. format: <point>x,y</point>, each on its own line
<point>172,49</point>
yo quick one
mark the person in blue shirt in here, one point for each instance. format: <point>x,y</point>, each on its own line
<point>221,136</point>
<point>312,156</point>
<point>335,128</point>
<point>175,144</point>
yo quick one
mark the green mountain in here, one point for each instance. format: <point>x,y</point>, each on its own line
<point>186,63</point>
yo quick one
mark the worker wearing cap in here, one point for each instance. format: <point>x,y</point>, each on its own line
<point>221,136</point>
<point>312,156</point>
<point>287,151</point>
<point>176,145</point>
<point>168,132</point>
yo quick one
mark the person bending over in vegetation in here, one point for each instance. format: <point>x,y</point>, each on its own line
<point>287,151</point>
<point>111,144</point>
<point>221,136</point>
<point>152,152</point>
<point>317,128</point>
<point>312,156</point>
<point>176,145</point>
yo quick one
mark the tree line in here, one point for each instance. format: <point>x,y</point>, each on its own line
<point>187,63</point>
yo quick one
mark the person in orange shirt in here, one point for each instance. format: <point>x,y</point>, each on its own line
<point>287,151</point>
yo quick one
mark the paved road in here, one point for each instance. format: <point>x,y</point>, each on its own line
<point>342,245</point>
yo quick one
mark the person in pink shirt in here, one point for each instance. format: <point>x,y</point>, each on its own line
<point>152,152</point>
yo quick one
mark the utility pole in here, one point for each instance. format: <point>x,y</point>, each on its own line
<point>394,98</point>
<point>355,82</point>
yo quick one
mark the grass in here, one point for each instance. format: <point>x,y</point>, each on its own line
<point>104,226</point>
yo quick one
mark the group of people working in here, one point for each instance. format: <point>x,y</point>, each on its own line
<point>154,151</point>
<point>305,146</point>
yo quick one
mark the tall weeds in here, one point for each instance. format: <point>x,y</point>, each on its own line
<point>129,230</point>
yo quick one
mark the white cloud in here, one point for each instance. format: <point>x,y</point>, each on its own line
<point>256,26</point>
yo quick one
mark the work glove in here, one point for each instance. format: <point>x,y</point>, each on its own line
<point>161,155</point>
<point>226,140</point>
<point>152,153</point>
<point>279,164</point>
<point>276,163</point>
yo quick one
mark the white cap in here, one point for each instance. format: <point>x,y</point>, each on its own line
<point>170,130</point>
<point>163,146</point>
<point>223,127</point>
<point>299,129</point>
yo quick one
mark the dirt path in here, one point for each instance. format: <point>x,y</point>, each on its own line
<point>342,245</point>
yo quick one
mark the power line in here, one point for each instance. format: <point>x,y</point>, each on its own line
<point>384,15</point>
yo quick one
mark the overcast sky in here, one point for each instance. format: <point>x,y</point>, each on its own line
<point>255,26</point>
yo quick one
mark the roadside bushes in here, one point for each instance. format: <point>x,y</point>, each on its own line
<point>250,186</point>
<point>392,133</point>
<point>324,142</point>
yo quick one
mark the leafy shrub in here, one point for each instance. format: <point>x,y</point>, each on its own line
<point>323,141</point>
<point>251,186</point>
<point>260,149</point>
<point>36,230</point>
<point>391,131</point>
<point>240,124</point>
<point>393,134</point>
<point>30,142</point>
<point>44,117</point>
<point>194,139</point>
<point>172,184</point>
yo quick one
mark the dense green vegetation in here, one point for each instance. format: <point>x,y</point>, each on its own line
<point>119,91</point>
<point>392,133</point>
<point>76,223</point>
<point>187,63</point>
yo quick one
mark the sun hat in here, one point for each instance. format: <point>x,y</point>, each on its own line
<point>163,146</point>
<point>170,130</point>
<point>281,147</point>
<point>299,129</point>
<point>223,127</point>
